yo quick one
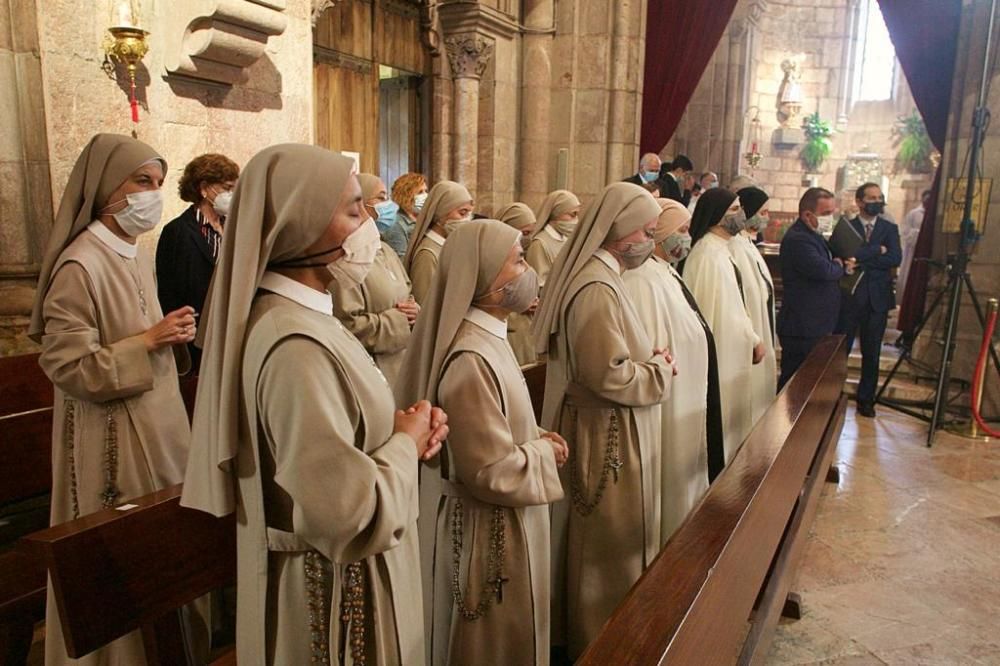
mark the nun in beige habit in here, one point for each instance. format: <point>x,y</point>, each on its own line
<point>522,218</point>
<point>448,206</point>
<point>295,428</point>
<point>491,557</point>
<point>758,287</point>
<point>380,311</point>
<point>603,389</point>
<point>557,219</point>
<point>119,427</point>
<point>691,418</point>
<point>719,288</point>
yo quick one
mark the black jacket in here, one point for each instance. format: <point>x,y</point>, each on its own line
<point>184,267</point>
<point>875,286</point>
<point>811,301</point>
<point>669,189</point>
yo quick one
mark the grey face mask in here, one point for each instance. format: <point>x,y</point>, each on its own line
<point>636,254</point>
<point>518,294</point>
<point>734,223</point>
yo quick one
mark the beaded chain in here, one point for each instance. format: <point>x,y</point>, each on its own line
<point>352,611</point>
<point>69,435</point>
<point>493,587</point>
<point>317,581</point>
<point>612,463</point>
<point>111,492</point>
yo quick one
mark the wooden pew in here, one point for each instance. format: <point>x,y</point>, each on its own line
<point>733,560</point>
<point>119,570</point>
<point>25,481</point>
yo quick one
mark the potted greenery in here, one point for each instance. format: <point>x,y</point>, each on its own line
<point>914,146</point>
<point>818,145</point>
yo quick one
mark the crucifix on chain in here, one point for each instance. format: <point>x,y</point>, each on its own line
<point>498,582</point>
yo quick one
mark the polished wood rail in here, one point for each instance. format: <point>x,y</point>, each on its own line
<point>716,590</point>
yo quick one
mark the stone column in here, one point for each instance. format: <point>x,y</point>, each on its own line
<point>534,174</point>
<point>25,189</point>
<point>468,54</point>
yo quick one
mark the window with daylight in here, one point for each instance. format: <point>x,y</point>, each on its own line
<point>875,72</point>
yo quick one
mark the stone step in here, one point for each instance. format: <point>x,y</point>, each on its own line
<point>898,389</point>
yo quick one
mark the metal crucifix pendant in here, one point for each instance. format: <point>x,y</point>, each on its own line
<point>498,583</point>
<point>615,466</point>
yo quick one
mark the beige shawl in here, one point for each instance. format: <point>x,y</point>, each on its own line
<point>554,205</point>
<point>101,168</point>
<point>283,203</point>
<point>618,211</point>
<point>517,215</point>
<point>443,198</point>
<point>470,261</point>
<point>673,216</point>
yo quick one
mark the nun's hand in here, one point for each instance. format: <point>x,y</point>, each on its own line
<point>560,449</point>
<point>416,422</point>
<point>410,308</point>
<point>758,353</point>
<point>176,328</point>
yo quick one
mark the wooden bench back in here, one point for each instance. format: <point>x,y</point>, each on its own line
<point>116,571</point>
<point>693,602</point>
<point>25,429</point>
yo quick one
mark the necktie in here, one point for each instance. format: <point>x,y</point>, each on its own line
<point>868,232</point>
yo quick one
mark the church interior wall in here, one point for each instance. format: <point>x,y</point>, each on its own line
<point>818,34</point>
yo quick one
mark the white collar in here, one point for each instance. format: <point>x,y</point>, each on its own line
<point>487,322</point>
<point>552,231</point>
<point>305,296</point>
<point>608,260</point>
<point>117,245</point>
<point>435,237</point>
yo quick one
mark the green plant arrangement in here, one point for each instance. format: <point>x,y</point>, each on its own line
<point>914,146</point>
<point>818,144</point>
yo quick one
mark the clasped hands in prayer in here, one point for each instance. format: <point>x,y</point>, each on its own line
<point>410,308</point>
<point>176,328</point>
<point>427,425</point>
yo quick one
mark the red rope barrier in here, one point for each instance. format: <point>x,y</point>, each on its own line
<point>984,351</point>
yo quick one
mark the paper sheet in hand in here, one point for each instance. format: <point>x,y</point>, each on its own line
<point>845,240</point>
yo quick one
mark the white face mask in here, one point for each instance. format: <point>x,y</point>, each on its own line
<point>419,201</point>
<point>360,248</point>
<point>142,214</point>
<point>824,224</point>
<point>223,200</point>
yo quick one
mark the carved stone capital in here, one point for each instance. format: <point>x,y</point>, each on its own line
<point>216,41</point>
<point>320,6</point>
<point>468,55</point>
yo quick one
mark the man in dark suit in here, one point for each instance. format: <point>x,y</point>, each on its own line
<point>810,275</point>
<point>649,170</point>
<point>675,180</point>
<point>866,308</point>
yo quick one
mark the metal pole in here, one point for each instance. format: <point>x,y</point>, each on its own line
<point>960,262</point>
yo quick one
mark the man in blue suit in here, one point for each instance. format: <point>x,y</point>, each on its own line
<point>866,308</point>
<point>810,275</point>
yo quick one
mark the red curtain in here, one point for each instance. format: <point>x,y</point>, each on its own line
<point>925,34</point>
<point>681,36</point>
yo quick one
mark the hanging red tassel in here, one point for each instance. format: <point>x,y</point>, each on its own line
<point>134,104</point>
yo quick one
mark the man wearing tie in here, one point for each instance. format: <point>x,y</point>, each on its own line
<point>866,308</point>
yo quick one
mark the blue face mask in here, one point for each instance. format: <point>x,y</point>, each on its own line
<point>649,176</point>
<point>386,211</point>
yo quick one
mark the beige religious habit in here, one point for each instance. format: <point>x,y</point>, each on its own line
<point>369,311</point>
<point>293,411</point>
<point>547,241</point>
<point>421,260</point>
<point>670,322</point>
<point>758,289</point>
<point>522,218</point>
<point>603,393</point>
<point>119,426</point>
<point>491,552</point>
<point>711,275</point>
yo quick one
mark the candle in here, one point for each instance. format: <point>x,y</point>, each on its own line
<point>124,15</point>
<point>753,148</point>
